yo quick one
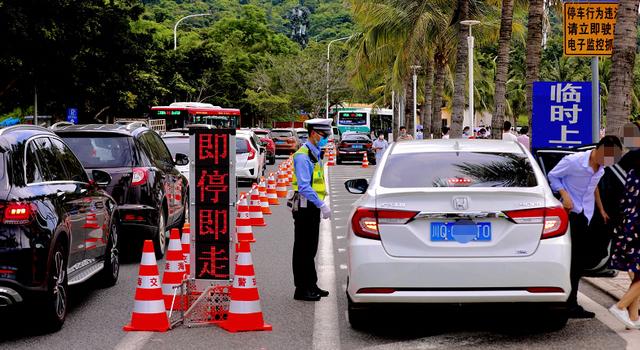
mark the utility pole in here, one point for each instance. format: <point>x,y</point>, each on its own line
<point>326,114</point>
<point>175,28</point>
<point>415,102</point>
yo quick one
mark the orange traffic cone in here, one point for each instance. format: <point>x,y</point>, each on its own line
<point>264,201</point>
<point>244,232</point>
<point>365,161</point>
<point>245,313</point>
<point>272,194</point>
<point>332,160</point>
<point>255,210</point>
<point>186,248</point>
<point>173,272</point>
<point>148,308</point>
<point>281,189</point>
<point>289,172</point>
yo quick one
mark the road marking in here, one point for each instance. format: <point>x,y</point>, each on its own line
<point>342,250</point>
<point>134,341</point>
<point>343,267</point>
<point>326,334</point>
<point>340,237</point>
<point>631,336</point>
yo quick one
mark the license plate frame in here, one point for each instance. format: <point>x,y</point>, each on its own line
<point>357,146</point>
<point>482,234</point>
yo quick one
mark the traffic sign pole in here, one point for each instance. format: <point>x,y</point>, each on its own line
<point>595,99</point>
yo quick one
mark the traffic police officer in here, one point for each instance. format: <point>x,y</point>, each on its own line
<point>308,205</point>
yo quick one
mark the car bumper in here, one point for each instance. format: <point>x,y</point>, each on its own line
<point>9,296</point>
<point>247,172</point>
<point>354,155</point>
<point>140,221</point>
<point>458,280</point>
<point>285,149</point>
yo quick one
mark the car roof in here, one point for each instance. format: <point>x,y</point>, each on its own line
<point>174,135</point>
<point>301,129</point>
<point>283,129</point>
<point>21,132</point>
<point>457,145</point>
<point>128,130</point>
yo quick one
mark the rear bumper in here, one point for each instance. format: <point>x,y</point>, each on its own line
<point>139,221</point>
<point>250,171</point>
<point>458,280</point>
<point>9,297</point>
<point>355,155</point>
<point>286,149</point>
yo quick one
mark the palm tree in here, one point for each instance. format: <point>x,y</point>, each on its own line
<point>457,114</point>
<point>502,68</point>
<point>533,49</point>
<point>622,63</point>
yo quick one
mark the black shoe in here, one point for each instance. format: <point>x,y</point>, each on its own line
<point>580,313</point>
<point>306,295</point>
<point>323,293</point>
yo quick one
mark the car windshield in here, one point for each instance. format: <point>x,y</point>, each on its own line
<point>262,133</point>
<point>102,151</point>
<point>457,169</point>
<point>242,145</point>
<point>177,145</point>
<point>355,137</point>
<point>281,133</point>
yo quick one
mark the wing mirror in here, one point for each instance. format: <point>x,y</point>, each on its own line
<point>357,186</point>
<point>182,159</point>
<point>101,178</point>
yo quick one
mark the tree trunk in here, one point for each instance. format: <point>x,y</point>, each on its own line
<point>408,108</point>
<point>426,109</point>
<point>622,63</point>
<point>438,93</point>
<point>534,50</point>
<point>457,115</point>
<point>502,69</point>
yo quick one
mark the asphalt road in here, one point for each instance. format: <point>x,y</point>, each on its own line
<point>97,315</point>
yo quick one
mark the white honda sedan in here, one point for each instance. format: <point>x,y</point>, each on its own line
<point>458,221</point>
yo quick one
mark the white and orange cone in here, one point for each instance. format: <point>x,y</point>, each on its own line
<point>289,170</point>
<point>365,160</point>
<point>186,248</point>
<point>174,273</point>
<point>264,201</point>
<point>331,159</point>
<point>148,308</point>
<point>255,210</point>
<point>244,232</point>
<point>245,312</point>
<point>281,188</point>
<point>272,194</point>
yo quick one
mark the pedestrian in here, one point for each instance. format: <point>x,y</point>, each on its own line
<point>379,146</point>
<point>445,132</point>
<point>419,134</point>
<point>403,135</point>
<point>482,133</point>
<point>307,203</point>
<point>625,247</point>
<point>576,178</point>
<point>523,138</point>
<point>466,133</point>
<point>506,132</point>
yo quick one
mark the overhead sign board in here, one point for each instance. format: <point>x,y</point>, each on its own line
<point>561,114</point>
<point>589,28</point>
<point>212,179</point>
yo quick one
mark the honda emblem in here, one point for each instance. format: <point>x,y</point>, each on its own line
<point>461,203</point>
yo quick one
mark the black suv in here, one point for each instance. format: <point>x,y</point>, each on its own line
<point>150,191</point>
<point>56,226</point>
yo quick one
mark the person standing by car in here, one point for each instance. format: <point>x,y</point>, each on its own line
<point>379,146</point>
<point>403,135</point>
<point>445,133</point>
<point>576,178</point>
<point>523,138</point>
<point>307,206</point>
<point>506,132</point>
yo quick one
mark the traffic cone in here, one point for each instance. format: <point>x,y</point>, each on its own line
<point>148,308</point>
<point>365,161</point>
<point>289,172</point>
<point>255,210</point>
<point>186,248</point>
<point>264,201</point>
<point>332,160</point>
<point>281,188</point>
<point>173,272</point>
<point>272,194</point>
<point>244,232</point>
<point>245,313</point>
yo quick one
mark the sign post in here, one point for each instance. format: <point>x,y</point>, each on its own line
<point>212,207</point>
<point>561,114</point>
<point>72,115</point>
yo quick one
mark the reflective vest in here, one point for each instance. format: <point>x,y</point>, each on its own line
<point>317,177</point>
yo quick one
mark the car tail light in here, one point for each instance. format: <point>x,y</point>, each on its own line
<point>459,181</point>
<point>554,219</point>
<point>132,217</point>
<point>365,221</point>
<point>344,145</point>
<point>140,176</point>
<point>375,291</point>
<point>545,290</point>
<point>17,213</point>
<point>252,152</point>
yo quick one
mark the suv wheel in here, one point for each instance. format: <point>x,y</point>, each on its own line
<point>111,269</point>
<point>160,243</point>
<point>55,308</point>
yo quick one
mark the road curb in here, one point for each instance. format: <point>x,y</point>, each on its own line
<point>608,286</point>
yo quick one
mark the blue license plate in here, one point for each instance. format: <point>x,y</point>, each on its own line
<point>356,146</point>
<point>463,233</point>
<point>280,142</point>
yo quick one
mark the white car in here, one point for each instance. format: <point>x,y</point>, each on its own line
<point>178,142</point>
<point>250,156</point>
<point>458,221</point>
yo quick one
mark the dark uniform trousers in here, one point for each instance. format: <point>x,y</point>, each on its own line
<point>305,246</point>
<point>579,225</point>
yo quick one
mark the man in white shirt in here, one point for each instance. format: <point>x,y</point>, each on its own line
<point>379,146</point>
<point>506,132</point>
<point>445,133</point>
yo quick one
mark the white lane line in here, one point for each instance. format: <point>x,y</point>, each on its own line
<point>326,334</point>
<point>343,266</point>
<point>134,341</point>
<point>631,336</point>
<point>340,237</point>
<point>342,250</point>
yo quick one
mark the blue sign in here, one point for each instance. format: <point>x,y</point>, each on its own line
<point>72,115</point>
<point>561,116</point>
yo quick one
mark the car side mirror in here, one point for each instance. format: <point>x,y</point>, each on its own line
<point>101,178</point>
<point>357,186</point>
<point>182,159</point>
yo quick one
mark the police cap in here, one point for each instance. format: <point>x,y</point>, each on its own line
<point>319,124</point>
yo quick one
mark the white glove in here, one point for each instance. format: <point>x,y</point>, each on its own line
<point>326,211</point>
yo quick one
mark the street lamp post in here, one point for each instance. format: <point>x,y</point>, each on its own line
<point>328,72</point>
<point>415,102</point>
<point>470,40</point>
<point>175,28</point>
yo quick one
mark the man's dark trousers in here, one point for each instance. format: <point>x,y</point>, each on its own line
<point>305,246</point>
<point>579,225</point>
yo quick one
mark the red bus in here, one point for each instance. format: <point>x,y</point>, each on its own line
<point>179,115</point>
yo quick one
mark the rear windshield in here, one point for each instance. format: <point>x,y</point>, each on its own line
<point>102,151</point>
<point>462,169</point>
<point>262,133</point>
<point>242,145</point>
<point>303,134</point>
<point>355,137</point>
<point>177,145</point>
<point>281,133</point>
